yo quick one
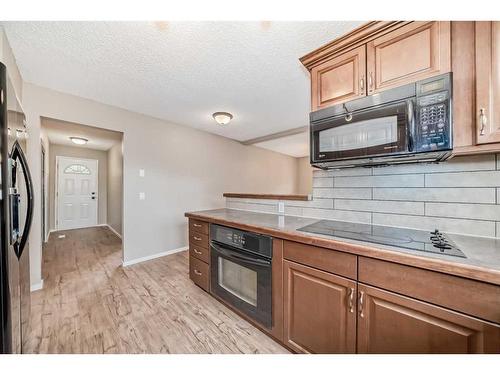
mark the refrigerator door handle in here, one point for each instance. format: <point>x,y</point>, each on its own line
<point>17,154</point>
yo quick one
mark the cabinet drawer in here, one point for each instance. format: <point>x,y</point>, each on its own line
<point>467,296</point>
<point>199,272</point>
<point>199,252</point>
<point>324,259</point>
<point>198,239</point>
<point>198,226</point>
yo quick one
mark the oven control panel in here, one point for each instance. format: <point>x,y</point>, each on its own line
<point>433,113</point>
<point>253,242</point>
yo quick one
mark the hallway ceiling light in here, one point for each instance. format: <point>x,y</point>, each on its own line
<point>222,118</point>
<point>78,140</point>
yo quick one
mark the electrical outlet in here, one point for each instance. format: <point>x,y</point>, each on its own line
<point>142,172</point>
<point>281,207</point>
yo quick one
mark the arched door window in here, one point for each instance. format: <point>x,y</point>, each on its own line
<point>76,169</point>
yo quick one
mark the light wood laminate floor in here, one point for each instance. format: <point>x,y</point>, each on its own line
<point>91,304</point>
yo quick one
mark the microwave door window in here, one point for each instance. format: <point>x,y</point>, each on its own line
<point>360,138</point>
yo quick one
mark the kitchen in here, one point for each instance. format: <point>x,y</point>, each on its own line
<point>380,216</point>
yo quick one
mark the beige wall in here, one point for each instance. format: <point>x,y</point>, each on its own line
<point>304,176</point>
<point>186,169</point>
<point>79,152</point>
<point>115,184</point>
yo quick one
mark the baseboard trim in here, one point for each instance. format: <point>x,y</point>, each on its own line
<point>154,256</point>
<point>114,231</point>
<point>37,286</point>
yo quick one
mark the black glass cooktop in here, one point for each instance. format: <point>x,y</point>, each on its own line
<point>433,242</point>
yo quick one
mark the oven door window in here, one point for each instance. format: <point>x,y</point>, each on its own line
<point>238,280</point>
<point>369,133</point>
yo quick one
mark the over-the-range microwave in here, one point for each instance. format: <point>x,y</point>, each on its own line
<point>410,123</point>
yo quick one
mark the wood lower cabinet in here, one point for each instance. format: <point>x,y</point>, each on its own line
<point>319,310</point>
<point>487,48</point>
<point>199,253</point>
<point>391,323</point>
<point>410,53</point>
<point>339,79</point>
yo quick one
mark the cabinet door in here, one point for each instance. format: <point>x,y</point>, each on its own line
<point>488,81</point>
<point>391,323</point>
<point>408,54</point>
<point>320,311</point>
<point>339,79</point>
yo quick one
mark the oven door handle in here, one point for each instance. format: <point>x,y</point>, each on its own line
<point>237,256</point>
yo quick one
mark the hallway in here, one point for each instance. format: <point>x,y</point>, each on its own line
<point>91,304</point>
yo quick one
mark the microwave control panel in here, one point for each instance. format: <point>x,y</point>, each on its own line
<point>433,127</point>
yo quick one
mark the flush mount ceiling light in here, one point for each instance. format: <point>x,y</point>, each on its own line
<point>222,118</point>
<point>78,140</point>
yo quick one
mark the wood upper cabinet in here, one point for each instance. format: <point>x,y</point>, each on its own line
<point>410,53</point>
<point>391,323</point>
<point>339,79</point>
<point>319,310</point>
<point>487,52</point>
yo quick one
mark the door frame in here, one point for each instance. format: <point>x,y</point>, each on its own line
<point>56,190</point>
<point>43,155</point>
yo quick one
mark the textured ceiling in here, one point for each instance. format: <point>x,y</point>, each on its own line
<point>180,71</point>
<point>59,132</point>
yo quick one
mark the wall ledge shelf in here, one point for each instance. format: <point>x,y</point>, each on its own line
<point>288,197</point>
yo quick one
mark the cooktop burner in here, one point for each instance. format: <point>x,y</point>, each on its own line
<point>432,242</point>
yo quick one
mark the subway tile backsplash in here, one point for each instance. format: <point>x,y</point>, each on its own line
<point>461,195</point>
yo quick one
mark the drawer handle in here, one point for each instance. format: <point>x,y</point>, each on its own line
<point>361,300</point>
<point>197,272</point>
<point>351,300</point>
<point>197,225</point>
<point>197,251</point>
<point>197,238</point>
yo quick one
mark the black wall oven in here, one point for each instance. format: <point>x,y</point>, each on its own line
<point>407,124</point>
<point>241,271</point>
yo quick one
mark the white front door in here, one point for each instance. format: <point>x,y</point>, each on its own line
<point>76,193</point>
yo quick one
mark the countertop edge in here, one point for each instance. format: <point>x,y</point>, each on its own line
<point>286,197</point>
<point>462,270</point>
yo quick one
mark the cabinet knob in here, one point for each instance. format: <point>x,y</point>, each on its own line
<point>482,120</point>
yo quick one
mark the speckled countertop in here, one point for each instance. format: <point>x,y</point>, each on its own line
<point>482,260</point>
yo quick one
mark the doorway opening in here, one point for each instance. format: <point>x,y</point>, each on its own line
<point>83,179</point>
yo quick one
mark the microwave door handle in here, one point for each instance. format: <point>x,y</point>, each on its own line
<point>411,124</point>
<point>240,257</point>
<point>17,154</point>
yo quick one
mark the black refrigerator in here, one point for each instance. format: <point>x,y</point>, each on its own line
<point>16,207</point>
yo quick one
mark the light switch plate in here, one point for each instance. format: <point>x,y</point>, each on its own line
<point>142,172</point>
<point>281,207</point>
<point>142,196</point>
